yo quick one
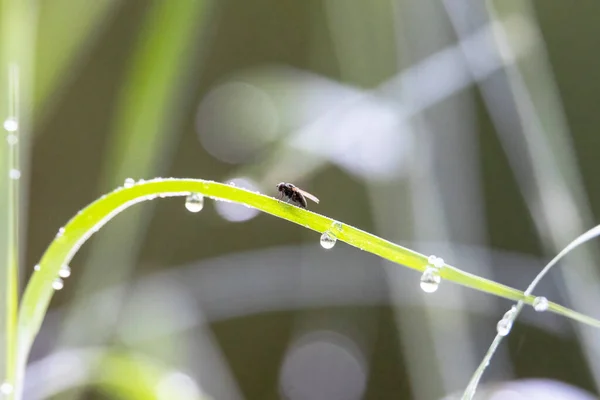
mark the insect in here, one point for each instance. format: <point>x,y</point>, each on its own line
<point>296,195</point>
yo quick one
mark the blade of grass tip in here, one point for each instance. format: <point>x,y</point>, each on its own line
<point>40,289</point>
<point>512,315</point>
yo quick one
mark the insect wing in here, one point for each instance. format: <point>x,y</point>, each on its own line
<point>308,195</point>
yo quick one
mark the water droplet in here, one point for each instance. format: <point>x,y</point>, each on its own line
<point>14,173</point>
<point>328,240</point>
<point>430,280</point>
<point>504,326</point>
<point>129,182</point>
<point>12,139</point>
<point>194,202</point>
<point>141,181</point>
<point>510,313</point>
<point>438,263</point>
<point>11,124</point>
<point>65,271</point>
<point>540,304</point>
<point>232,183</point>
<point>337,226</point>
<point>37,267</point>
<point>431,259</point>
<point>6,388</point>
<point>60,232</point>
<point>58,284</point>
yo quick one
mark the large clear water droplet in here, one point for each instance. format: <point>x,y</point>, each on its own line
<point>6,388</point>
<point>14,174</point>
<point>194,202</point>
<point>504,326</point>
<point>328,240</point>
<point>65,271</point>
<point>540,304</point>
<point>430,280</point>
<point>129,182</point>
<point>58,284</point>
<point>11,124</point>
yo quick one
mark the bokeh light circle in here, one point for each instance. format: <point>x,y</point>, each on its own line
<point>235,121</point>
<point>323,365</point>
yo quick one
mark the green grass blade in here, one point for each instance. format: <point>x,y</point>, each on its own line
<point>39,290</point>
<point>17,23</point>
<point>11,252</point>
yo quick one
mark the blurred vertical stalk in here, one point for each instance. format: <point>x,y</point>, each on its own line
<point>18,21</point>
<point>158,89</point>
<point>141,144</point>
<point>10,222</point>
<point>68,30</point>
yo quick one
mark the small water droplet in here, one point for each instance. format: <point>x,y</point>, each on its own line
<point>194,202</point>
<point>328,240</point>
<point>129,182</point>
<point>504,326</point>
<point>65,271</point>
<point>60,232</point>
<point>11,124</point>
<point>430,280</point>
<point>58,284</point>
<point>14,173</point>
<point>337,226</point>
<point>12,139</point>
<point>431,259</point>
<point>37,267</point>
<point>6,388</point>
<point>510,313</point>
<point>141,181</point>
<point>540,304</point>
<point>232,183</point>
<point>438,263</point>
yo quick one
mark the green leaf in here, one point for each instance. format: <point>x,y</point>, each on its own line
<point>39,290</point>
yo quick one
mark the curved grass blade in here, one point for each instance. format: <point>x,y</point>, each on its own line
<point>39,290</point>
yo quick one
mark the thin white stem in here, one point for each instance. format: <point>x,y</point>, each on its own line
<point>472,387</point>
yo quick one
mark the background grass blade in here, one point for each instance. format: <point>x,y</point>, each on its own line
<point>122,374</point>
<point>18,24</point>
<point>151,104</point>
<point>67,32</point>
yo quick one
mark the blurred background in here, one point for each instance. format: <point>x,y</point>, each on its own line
<point>460,128</point>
